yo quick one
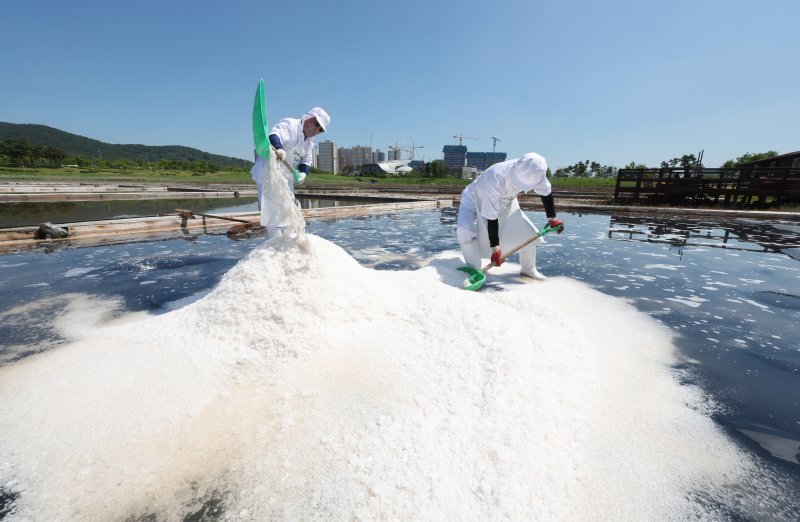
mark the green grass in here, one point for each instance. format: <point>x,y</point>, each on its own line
<point>118,175</point>
<point>239,177</point>
<point>566,183</point>
<point>359,181</point>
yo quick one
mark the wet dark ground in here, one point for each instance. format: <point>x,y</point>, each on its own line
<point>31,214</point>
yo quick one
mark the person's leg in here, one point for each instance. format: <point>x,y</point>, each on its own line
<point>465,231</point>
<point>471,253</point>
<point>527,260</point>
<point>273,232</point>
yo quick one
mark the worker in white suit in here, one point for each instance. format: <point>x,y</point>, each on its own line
<point>491,201</point>
<point>293,140</point>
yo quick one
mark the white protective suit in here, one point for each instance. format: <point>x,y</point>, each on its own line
<point>494,196</point>
<point>299,149</point>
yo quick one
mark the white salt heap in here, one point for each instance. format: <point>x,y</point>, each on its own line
<point>308,387</point>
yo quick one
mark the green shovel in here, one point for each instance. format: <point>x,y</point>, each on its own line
<point>477,278</point>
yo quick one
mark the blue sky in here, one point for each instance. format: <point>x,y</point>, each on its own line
<point>613,81</point>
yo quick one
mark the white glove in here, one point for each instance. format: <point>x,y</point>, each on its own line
<point>299,177</point>
<point>280,154</point>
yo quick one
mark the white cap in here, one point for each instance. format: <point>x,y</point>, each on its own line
<point>322,117</point>
<point>528,171</point>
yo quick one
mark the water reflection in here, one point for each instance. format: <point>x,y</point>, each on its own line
<point>735,234</point>
<point>34,213</point>
<point>30,213</point>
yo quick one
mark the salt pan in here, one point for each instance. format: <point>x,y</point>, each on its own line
<point>307,386</point>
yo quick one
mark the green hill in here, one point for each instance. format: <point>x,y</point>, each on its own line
<point>74,144</point>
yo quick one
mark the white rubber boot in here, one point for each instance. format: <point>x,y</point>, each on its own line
<point>527,259</point>
<point>273,232</point>
<point>472,253</point>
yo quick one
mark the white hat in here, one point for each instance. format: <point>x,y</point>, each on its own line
<point>322,117</point>
<point>527,171</point>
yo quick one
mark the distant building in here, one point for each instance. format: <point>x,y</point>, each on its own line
<point>326,157</point>
<point>484,160</point>
<point>378,156</point>
<point>386,168</point>
<point>454,156</point>
<point>394,154</point>
<point>354,156</point>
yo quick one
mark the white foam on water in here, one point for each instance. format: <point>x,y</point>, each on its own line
<point>79,313</point>
<point>780,447</point>
<point>664,267</point>
<point>74,272</point>
<point>305,386</point>
<point>690,301</point>
<point>646,278</point>
<point>756,304</point>
<point>752,281</point>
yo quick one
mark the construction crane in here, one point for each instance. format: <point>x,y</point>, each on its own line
<point>413,147</point>
<point>461,138</point>
<point>494,142</point>
<point>410,148</point>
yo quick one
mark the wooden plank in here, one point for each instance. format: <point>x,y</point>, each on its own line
<point>112,196</point>
<point>160,227</point>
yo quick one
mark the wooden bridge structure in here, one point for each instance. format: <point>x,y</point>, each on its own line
<point>748,187</point>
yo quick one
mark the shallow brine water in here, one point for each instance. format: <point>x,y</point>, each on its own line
<point>28,214</point>
<point>729,292</point>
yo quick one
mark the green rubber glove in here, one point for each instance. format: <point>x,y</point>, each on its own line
<point>299,177</point>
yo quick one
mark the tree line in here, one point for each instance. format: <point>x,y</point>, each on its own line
<point>586,168</point>
<point>19,152</point>
<point>589,168</point>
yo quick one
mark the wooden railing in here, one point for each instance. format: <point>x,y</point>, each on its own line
<point>745,186</point>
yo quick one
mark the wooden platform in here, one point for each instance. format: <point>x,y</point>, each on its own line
<point>741,187</point>
<point>91,233</point>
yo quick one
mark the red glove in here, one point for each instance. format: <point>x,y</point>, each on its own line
<point>497,256</point>
<point>555,222</point>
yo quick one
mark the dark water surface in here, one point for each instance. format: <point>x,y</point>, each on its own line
<point>729,289</point>
<point>28,214</point>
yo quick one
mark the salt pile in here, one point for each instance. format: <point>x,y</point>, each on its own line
<point>305,386</point>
